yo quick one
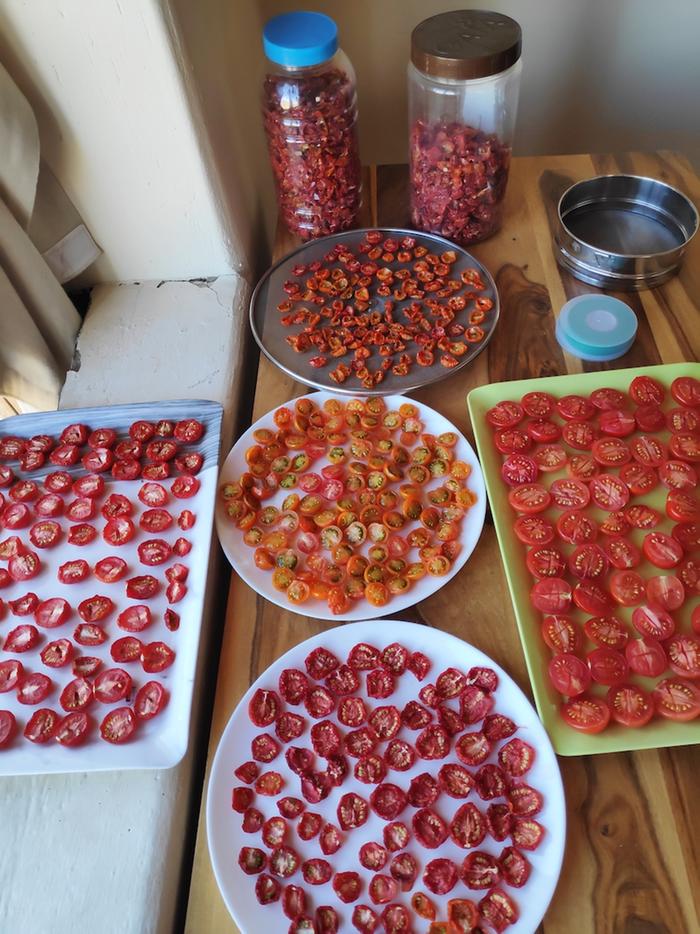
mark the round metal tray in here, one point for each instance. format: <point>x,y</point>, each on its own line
<point>624,232</point>
<point>270,334</point>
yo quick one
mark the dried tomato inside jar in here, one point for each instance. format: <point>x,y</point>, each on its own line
<point>310,118</point>
<point>463,84</point>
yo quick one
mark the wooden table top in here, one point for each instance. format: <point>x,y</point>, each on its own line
<point>632,860</point>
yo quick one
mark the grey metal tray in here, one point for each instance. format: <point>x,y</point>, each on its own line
<point>270,334</point>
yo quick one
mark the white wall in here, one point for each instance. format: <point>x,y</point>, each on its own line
<point>148,109</point>
<point>117,130</point>
<point>598,75</point>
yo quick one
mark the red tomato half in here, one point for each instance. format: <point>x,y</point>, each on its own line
<point>621,553</point>
<point>662,550</point>
<point>150,700</point>
<point>666,592</point>
<point>627,588</point>
<point>684,656</point>
<point>52,613</point>
<point>111,685</point>
<point>118,531</point>
<point>157,656</point>
<point>653,622</point>
<point>686,391</point>
<point>111,569</point>
<point>8,728</point>
<point>630,705</point>
<point>569,674</point>
<point>586,713</point>
<point>645,391</point>
<point>119,725</point>
<point>646,657</point>
<point>34,689</point>
<point>551,595</point>
<point>608,666</point>
<point>73,729</point>
<point>677,699</point>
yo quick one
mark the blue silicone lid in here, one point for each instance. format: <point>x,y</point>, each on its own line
<point>596,327</point>
<point>300,39</point>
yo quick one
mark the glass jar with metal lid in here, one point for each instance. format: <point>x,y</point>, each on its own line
<point>310,116</point>
<point>463,85</point>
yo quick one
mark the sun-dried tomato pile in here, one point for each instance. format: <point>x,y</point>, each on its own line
<point>392,296</point>
<point>311,126</point>
<point>458,180</point>
<point>349,535</point>
<point>472,787</point>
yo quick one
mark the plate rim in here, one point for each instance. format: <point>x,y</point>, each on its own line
<point>410,385</point>
<point>364,612</point>
<point>482,658</point>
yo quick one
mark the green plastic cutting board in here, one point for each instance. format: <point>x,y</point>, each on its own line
<point>567,741</point>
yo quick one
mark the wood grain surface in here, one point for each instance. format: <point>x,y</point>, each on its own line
<point>632,863</point>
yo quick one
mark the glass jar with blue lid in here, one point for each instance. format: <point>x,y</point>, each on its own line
<point>310,117</point>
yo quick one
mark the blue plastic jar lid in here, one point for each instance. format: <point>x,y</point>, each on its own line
<point>300,39</point>
<point>596,327</point>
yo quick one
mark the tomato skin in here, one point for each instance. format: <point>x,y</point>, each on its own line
<point>52,613</point>
<point>561,634</point>
<point>11,672</point>
<point>677,699</point>
<point>73,729</point>
<point>119,725</point>
<point>606,631</point>
<point>150,700</point>
<point>156,657</point>
<point>662,550</point>
<point>111,685</point>
<point>8,728</point>
<point>76,695</point>
<point>551,595</point>
<point>666,592</point>
<point>34,689</point>
<point>653,622</point>
<point>586,713</point>
<point>630,705</point>
<point>110,569</point>
<point>646,657</point>
<point>608,666</point>
<point>534,530</point>
<point>627,588</point>
<point>569,675</point>
<point>684,656</point>
<point>645,390</point>
<point>41,726</point>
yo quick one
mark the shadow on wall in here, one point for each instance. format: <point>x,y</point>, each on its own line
<point>219,48</point>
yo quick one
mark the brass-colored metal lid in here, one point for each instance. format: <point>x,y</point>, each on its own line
<point>466,44</point>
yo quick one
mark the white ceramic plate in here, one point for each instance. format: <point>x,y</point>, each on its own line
<point>162,742</point>
<point>224,825</point>
<point>241,555</point>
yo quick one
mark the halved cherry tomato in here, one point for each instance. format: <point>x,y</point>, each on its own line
<point>111,685</point>
<point>569,674</point>
<point>646,657</point>
<point>119,725</point>
<point>630,705</point>
<point>150,700</point>
<point>608,666</point>
<point>156,657</point>
<point>586,713</point>
<point>677,699</point>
